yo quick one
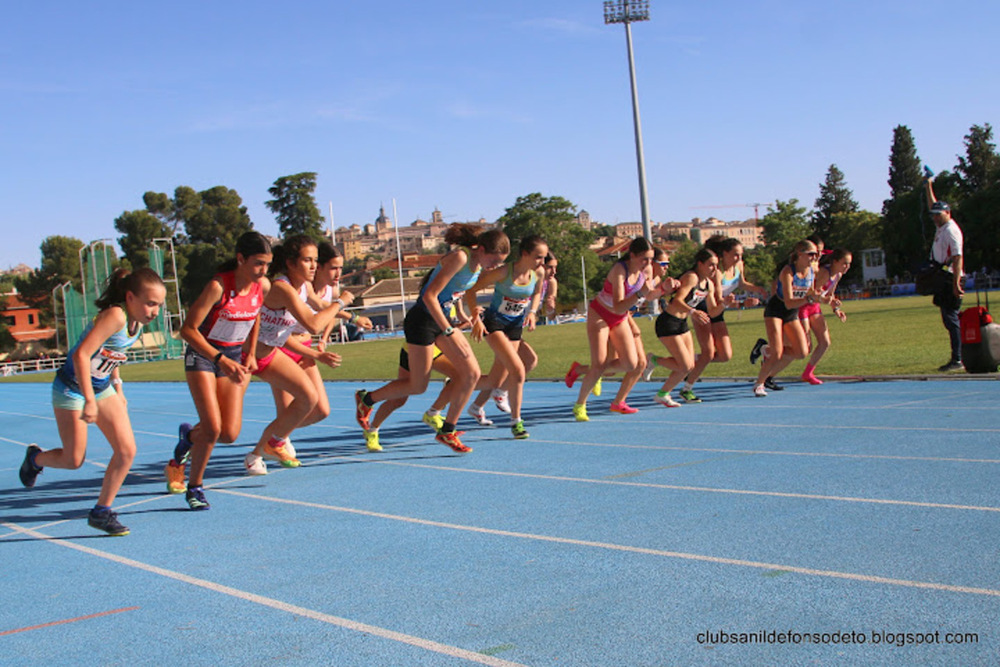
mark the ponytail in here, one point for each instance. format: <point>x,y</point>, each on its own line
<point>122,281</point>
<point>247,245</point>
<point>289,249</point>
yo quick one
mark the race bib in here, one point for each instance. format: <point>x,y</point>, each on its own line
<point>105,361</point>
<point>513,307</point>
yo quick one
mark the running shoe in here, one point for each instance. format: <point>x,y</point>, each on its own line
<point>580,412</point>
<point>434,421</point>
<point>771,384</point>
<point>596,391</point>
<point>572,374</point>
<point>362,411</point>
<point>647,373</point>
<point>451,439</point>
<point>759,391</point>
<point>952,366</point>
<point>290,448</point>
<point>182,450</point>
<point>195,497</point>
<point>520,433</point>
<point>279,454</point>
<point>502,400</point>
<point>254,464</point>
<point>371,441</point>
<point>623,408</point>
<point>29,471</point>
<point>811,378</point>
<point>174,473</point>
<point>758,349</point>
<point>106,521</point>
<point>479,414</point>
<point>689,396</point>
<point>664,399</point>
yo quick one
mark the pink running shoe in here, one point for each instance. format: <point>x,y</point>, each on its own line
<point>623,408</point>
<point>572,374</point>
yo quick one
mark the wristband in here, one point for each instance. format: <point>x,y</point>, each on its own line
<point>215,359</point>
<point>340,301</point>
<point>353,316</point>
<point>117,382</point>
<point>449,331</point>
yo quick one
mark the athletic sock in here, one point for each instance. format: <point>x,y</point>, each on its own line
<point>431,412</point>
<point>688,386</point>
<point>276,442</point>
<point>367,399</point>
<point>101,509</point>
<point>447,428</point>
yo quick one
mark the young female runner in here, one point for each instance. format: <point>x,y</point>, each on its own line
<point>323,291</point>
<point>785,336</point>
<point>698,285</point>
<point>427,325</point>
<point>516,293</point>
<point>284,307</point>
<point>713,336</point>
<point>832,268</point>
<point>88,390</point>
<point>656,276</point>
<point>608,322</point>
<point>216,327</point>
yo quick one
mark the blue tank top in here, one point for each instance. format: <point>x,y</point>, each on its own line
<point>510,301</point>
<point>800,286</point>
<point>108,357</point>
<point>456,287</point>
<point>730,285</point>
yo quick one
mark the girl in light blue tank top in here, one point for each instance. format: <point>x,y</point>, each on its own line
<point>88,390</point>
<point>427,325</point>
<point>517,292</point>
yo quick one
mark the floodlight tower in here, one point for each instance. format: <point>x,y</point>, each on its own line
<point>628,11</point>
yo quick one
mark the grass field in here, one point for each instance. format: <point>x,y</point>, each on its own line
<point>891,336</point>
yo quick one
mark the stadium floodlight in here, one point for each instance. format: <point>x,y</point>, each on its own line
<point>627,12</point>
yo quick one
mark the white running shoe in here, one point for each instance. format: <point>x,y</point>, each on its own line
<point>500,398</point>
<point>650,367</point>
<point>479,415</point>
<point>666,401</point>
<point>254,464</point>
<point>289,448</point>
<point>759,391</point>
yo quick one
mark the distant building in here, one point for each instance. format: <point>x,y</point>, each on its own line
<point>629,229</point>
<point>583,219</point>
<point>23,321</point>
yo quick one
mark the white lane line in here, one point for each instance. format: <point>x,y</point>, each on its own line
<point>771,452</point>
<point>384,633</point>
<point>852,576</point>
<point>701,489</point>
<point>821,427</point>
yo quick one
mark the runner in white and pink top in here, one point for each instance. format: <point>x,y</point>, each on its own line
<point>832,268</point>
<point>286,304</point>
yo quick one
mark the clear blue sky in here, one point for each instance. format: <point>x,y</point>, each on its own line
<point>466,105</point>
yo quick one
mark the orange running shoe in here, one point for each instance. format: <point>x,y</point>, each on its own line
<point>363,411</point>
<point>280,454</point>
<point>451,439</point>
<point>175,477</point>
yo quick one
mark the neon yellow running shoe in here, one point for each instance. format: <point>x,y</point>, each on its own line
<point>580,412</point>
<point>371,441</point>
<point>434,421</point>
<point>596,391</point>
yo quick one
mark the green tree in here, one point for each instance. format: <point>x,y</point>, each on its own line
<point>834,197</point>
<point>294,206</point>
<point>682,258</point>
<point>904,165</point>
<point>906,229</point>
<point>980,168</point>
<point>554,219</point>
<point>978,209</point>
<point>138,229</point>
<point>784,225</point>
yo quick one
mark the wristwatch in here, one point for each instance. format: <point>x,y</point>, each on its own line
<point>449,331</point>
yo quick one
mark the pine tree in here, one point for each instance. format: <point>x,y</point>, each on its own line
<point>904,165</point>
<point>294,206</point>
<point>980,168</point>
<point>834,197</point>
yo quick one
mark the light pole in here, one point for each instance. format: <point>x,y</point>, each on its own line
<point>628,11</point>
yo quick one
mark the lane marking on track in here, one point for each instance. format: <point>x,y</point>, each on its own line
<point>851,576</point>
<point>772,452</point>
<point>700,489</point>
<point>68,620</point>
<point>347,624</point>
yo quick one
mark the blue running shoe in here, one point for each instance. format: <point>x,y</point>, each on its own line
<point>182,451</point>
